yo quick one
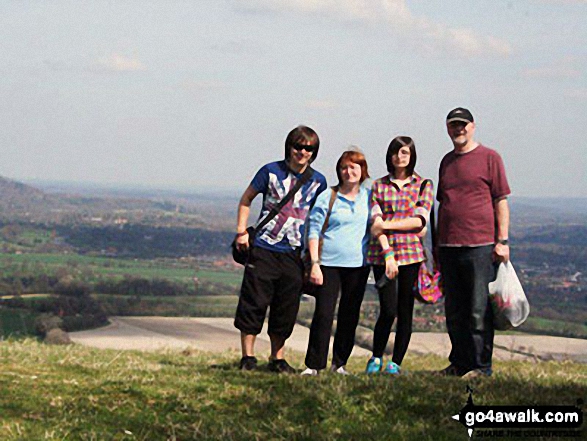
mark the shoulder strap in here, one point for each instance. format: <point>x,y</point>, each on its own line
<point>330,205</point>
<point>308,173</point>
<point>333,191</point>
<point>423,186</point>
<point>432,219</point>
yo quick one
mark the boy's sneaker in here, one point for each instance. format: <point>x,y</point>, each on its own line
<point>392,368</point>
<point>248,363</point>
<point>374,365</point>
<point>310,372</point>
<point>280,366</point>
<point>339,370</point>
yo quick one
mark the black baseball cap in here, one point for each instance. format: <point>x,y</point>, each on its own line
<point>459,114</point>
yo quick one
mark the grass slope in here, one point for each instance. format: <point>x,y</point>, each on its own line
<point>74,392</point>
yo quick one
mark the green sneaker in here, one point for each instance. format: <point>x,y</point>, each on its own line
<point>374,365</point>
<point>392,368</point>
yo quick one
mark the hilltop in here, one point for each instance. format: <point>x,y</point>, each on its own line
<point>72,392</point>
<point>16,197</point>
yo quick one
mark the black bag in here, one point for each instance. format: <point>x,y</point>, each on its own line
<point>241,256</point>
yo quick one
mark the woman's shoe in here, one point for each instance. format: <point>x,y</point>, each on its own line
<point>392,368</point>
<point>310,372</point>
<point>374,365</point>
<point>339,370</point>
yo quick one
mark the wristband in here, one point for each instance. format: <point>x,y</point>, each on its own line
<point>242,234</point>
<point>387,253</point>
<point>316,262</point>
<point>503,241</point>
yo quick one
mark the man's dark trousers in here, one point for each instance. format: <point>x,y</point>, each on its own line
<point>466,274</point>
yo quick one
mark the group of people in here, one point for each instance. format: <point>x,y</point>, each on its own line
<point>351,228</point>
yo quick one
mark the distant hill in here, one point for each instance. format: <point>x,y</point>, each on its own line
<point>216,207</point>
<point>563,206</point>
<point>74,203</point>
<point>18,197</point>
<point>530,210</point>
<point>20,202</point>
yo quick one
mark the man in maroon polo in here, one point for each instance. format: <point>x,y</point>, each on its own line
<point>473,227</point>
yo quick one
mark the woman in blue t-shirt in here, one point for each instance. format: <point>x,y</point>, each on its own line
<point>341,264</point>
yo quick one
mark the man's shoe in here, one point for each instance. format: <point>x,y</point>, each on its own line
<point>339,370</point>
<point>310,372</point>
<point>248,363</point>
<point>451,371</point>
<point>280,366</point>
<point>374,365</point>
<point>392,368</point>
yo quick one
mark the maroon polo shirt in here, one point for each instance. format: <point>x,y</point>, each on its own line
<point>469,184</point>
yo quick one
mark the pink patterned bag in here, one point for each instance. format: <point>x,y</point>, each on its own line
<point>428,287</point>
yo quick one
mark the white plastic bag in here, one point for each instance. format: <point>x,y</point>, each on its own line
<point>509,303</point>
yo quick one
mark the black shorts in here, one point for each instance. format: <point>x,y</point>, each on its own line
<point>271,280</point>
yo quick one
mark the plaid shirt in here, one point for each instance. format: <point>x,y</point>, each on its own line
<point>389,201</point>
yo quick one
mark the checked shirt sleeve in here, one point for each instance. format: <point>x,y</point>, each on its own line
<point>375,202</point>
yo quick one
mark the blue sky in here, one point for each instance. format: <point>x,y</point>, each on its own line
<point>196,94</point>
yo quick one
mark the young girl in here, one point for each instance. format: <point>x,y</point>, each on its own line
<point>399,215</point>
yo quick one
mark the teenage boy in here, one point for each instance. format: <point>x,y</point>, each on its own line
<point>473,224</point>
<point>274,271</point>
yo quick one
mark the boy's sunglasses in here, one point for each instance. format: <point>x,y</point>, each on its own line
<point>308,148</point>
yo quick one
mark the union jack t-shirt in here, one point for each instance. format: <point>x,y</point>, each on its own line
<point>285,232</point>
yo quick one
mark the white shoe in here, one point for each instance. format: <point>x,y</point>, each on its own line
<point>340,370</point>
<point>310,372</point>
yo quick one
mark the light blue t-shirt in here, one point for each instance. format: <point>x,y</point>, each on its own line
<point>347,235</point>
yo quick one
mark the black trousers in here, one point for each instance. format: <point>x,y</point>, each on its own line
<point>396,299</point>
<point>466,273</point>
<point>272,280</point>
<point>351,283</point>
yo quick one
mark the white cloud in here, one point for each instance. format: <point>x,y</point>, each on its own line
<point>560,69</point>
<point>564,2</point>
<point>580,93</point>
<point>199,85</point>
<point>551,72</point>
<point>119,63</point>
<point>321,104</point>
<point>395,14</point>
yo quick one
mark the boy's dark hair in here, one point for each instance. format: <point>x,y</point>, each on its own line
<point>302,135</point>
<point>394,146</point>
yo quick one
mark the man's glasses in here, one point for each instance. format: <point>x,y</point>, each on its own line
<point>308,148</point>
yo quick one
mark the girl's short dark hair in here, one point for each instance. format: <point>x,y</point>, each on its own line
<point>394,146</point>
<point>355,157</point>
<point>302,135</point>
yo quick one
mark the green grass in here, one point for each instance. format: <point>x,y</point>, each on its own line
<point>109,267</point>
<point>74,392</point>
<point>16,322</point>
<point>539,325</point>
<point>176,306</point>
